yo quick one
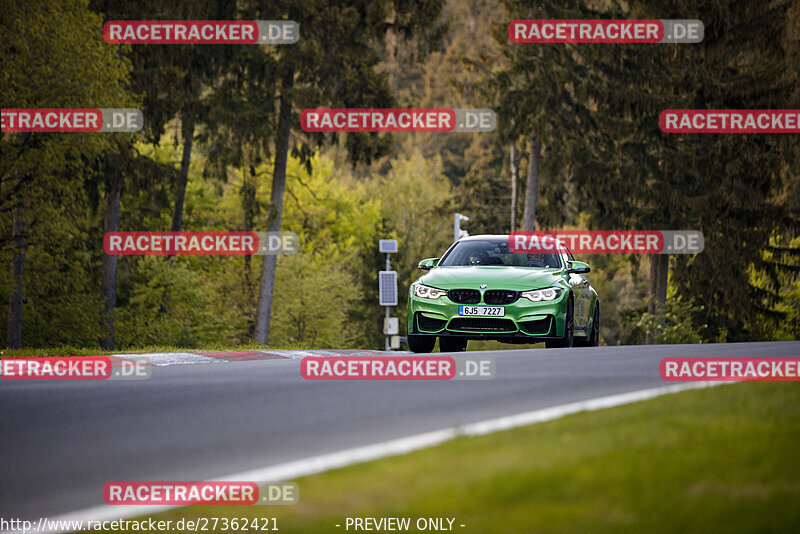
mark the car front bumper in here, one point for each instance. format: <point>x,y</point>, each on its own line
<point>524,321</point>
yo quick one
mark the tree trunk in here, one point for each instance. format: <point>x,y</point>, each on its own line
<point>532,183</point>
<point>264,308</point>
<point>651,295</point>
<point>187,129</point>
<point>657,293</point>
<point>250,209</point>
<point>14,339</point>
<point>659,274</point>
<point>110,261</point>
<point>663,276</point>
<point>653,288</point>
<point>513,188</point>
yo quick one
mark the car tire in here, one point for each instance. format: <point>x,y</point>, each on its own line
<point>569,331</point>
<point>452,344</point>
<point>594,336</point>
<point>423,344</point>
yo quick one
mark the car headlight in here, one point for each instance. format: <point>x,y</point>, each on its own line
<point>427,292</point>
<point>538,295</point>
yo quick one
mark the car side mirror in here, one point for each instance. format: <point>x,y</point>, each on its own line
<point>578,267</point>
<point>427,264</point>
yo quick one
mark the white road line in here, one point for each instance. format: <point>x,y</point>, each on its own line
<point>336,460</point>
<point>164,359</point>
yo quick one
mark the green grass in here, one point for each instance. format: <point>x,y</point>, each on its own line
<point>97,351</point>
<point>725,459</point>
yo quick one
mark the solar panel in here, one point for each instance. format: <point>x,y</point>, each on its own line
<point>387,246</point>
<point>387,288</point>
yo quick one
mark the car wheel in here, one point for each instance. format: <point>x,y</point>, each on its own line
<point>452,344</point>
<point>569,330</point>
<point>417,343</point>
<point>594,337</point>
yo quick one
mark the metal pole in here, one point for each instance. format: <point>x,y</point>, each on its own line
<point>386,337</point>
<point>457,218</point>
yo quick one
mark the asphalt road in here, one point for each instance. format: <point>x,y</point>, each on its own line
<point>60,442</point>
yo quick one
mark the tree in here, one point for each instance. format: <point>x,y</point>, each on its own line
<point>532,183</point>
<point>596,109</point>
<point>46,55</point>
<point>175,80</point>
<point>315,74</point>
<point>721,184</point>
<point>513,161</point>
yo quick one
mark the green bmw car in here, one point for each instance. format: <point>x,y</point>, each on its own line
<point>480,289</point>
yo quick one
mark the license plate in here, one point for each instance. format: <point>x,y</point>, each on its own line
<point>482,311</point>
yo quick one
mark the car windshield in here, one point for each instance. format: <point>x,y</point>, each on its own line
<point>495,252</point>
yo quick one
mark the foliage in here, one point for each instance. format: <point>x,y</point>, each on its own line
<point>675,325</point>
<point>187,293</point>
<point>312,301</point>
<point>596,108</point>
<point>605,163</point>
<point>52,55</point>
<point>776,285</point>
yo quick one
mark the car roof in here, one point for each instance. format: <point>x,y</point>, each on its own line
<point>494,236</point>
<point>483,236</point>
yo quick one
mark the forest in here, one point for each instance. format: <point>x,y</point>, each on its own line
<point>577,146</point>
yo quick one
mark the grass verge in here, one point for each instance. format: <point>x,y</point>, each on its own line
<point>723,459</point>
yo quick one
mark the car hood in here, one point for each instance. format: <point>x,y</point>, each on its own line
<point>495,277</point>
